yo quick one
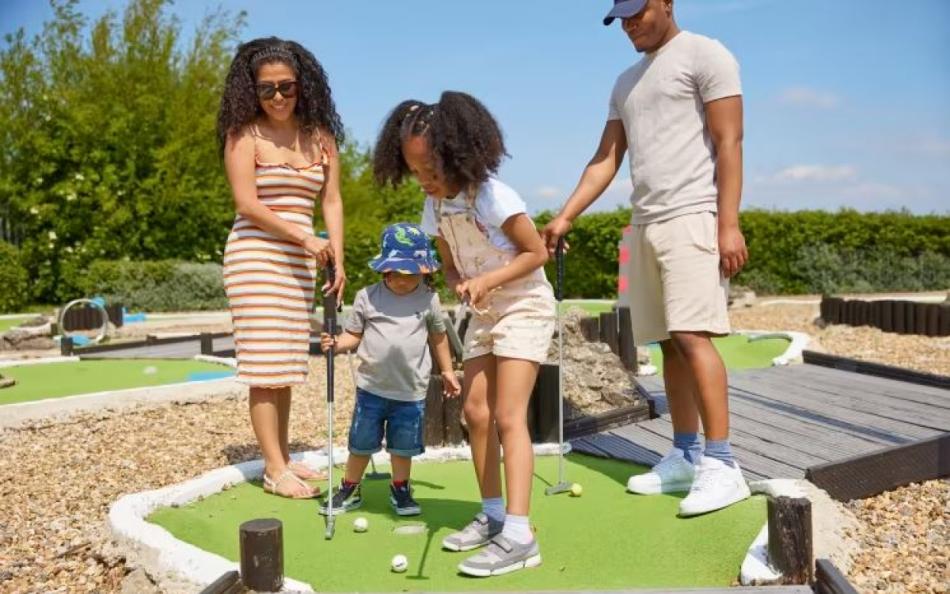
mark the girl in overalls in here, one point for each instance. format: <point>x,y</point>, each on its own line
<point>492,257</point>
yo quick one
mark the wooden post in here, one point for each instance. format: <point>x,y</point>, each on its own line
<point>887,320</point>
<point>590,328</point>
<point>66,346</point>
<point>207,344</point>
<point>262,554</point>
<point>434,426</point>
<point>944,327</point>
<point>920,318</point>
<point>545,395</point>
<point>790,538</point>
<point>628,350</point>
<point>897,314</point>
<point>452,419</point>
<point>910,319</point>
<point>933,319</point>
<point>608,330</point>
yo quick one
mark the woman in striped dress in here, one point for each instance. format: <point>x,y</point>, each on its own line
<point>279,130</point>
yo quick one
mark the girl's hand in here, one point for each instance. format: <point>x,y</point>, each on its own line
<point>326,341</point>
<point>473,290</point>
<point>320,248</point>
<point>450,384</point>
<point>553,231</point>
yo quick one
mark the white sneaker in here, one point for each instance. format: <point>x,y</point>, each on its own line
<point>673,473</point>
<point>717,485</point>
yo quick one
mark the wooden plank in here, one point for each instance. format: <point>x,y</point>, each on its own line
<point>829,580</point>
<point>878,369</point>
<point>228,583</point>
<point>869,474</point>
<point>781,397</point>
<point>882,389</point>
<point>545,396</point>
<point>607,445</point>
<point>618,417</point>
<point>823,393</point>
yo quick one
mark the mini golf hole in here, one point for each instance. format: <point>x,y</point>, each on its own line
<point>410,529</point>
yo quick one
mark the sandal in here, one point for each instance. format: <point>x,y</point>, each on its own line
<point>302,471</point>
<point>270,485</point>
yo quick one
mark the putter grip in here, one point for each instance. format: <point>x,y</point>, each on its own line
<point>559,263</point>
<point>329,304</point>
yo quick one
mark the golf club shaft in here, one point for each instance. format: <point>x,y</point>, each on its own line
<point>559,264</point>
<point>329,322</point>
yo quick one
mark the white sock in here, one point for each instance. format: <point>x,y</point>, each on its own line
<point>494,508</point>
<point>517,529</point>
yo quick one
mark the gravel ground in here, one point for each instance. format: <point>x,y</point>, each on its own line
<point>904,540</point>
<point>57,481</point>
<point>922,353</point>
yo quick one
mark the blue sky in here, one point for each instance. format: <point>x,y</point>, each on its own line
<point>847,101</point>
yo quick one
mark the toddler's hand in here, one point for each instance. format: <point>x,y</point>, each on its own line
<point>326,341</point>
<point>450,384</point>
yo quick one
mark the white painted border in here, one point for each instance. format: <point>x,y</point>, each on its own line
<point>793,354</point>
<point>178,565</point>
<point>38,361</point>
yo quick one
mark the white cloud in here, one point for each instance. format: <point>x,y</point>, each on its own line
<point>808,97</point>
<point>816,173</point>
<point>548,192</point>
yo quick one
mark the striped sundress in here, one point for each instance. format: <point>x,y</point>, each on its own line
<point>270,281</point>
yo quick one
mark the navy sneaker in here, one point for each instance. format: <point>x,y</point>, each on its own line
<point>402,501</point>
<point>348,497</point>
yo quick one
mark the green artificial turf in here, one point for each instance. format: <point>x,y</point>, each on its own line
<point>55,380</point>
<point>589,307</point>
<point>7,323</point>
<point>605,539</point>
<point>737,351</point>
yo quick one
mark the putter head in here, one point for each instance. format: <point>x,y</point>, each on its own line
<point>328,534</point>
<point>558,488</point>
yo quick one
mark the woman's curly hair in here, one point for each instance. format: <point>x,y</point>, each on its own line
<point>466,141</point>
<point>240,105</point>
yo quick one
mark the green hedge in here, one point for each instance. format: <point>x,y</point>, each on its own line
<point>164,285</point>
<point>14,281</point>
<point>789,252</point>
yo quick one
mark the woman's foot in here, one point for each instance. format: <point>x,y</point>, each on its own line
<point>304,472</point>
<point>287,484</point>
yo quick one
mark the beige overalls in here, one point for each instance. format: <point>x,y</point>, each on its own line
<point>515,320</point>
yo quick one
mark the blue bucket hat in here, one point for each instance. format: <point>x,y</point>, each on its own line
<point>405,249</point>
<point>624,9</point>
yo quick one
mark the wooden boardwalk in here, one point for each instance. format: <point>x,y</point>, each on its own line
<point>786,419</point>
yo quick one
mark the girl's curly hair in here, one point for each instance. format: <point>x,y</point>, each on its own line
<point>465,140</point>
<point>240,105</point>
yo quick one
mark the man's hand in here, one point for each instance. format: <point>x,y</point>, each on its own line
<point>732,250</point>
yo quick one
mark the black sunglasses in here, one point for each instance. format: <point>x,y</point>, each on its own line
<point>287,89</point>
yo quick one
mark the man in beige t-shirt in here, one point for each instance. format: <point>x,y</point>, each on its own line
<point>677,114</point>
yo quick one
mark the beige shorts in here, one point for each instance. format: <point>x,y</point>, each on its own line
<point>516,321</point>
<point>674,280</point>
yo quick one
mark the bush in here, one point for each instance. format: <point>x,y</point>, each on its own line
<point>165,285</point>
<point>13,279</point>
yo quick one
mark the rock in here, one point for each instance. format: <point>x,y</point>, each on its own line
<point>138,582</point>
<point>740,296</point>
<point>38,321</point>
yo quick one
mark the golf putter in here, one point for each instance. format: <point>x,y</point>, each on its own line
<point>562,485</point>
<point>329,325</point>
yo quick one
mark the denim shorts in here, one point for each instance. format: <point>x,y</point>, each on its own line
<point>403,423</point>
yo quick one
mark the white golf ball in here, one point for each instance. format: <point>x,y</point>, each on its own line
<point>360,524</point>
<point>150,370</point>
<point>399,563</point>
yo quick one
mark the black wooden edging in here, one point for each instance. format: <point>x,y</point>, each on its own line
<point>829,580</point>
<point>889,315</point>
<point>591,424</point>
<point>149,341</point>
<point>228,583</point>
<point>876,369</point>
<point>867,475</point>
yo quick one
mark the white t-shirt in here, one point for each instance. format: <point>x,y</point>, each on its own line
<point>661,101</point>
<point>494,204</point>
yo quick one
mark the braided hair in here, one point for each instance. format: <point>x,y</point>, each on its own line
<point>240,105</point>
<point>465,140</point>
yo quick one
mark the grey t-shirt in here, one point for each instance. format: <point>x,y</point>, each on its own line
<point>394,351</point>
<point>660,100</point>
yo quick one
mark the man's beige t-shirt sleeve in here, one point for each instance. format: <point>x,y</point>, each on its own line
<point>716,71</point>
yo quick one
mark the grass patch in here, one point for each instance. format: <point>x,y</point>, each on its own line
<point>737,351</point>
<point>56,380</point>
<point>606,539</point>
